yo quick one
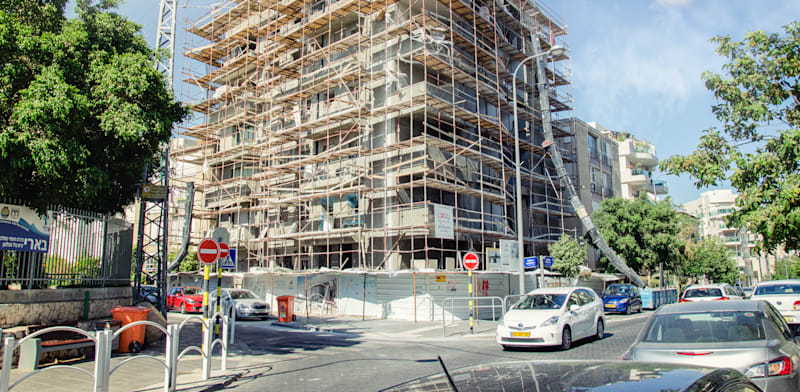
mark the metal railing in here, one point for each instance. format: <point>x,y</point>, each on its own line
<point>103,346</point>
<point>477,307</point>
<point>85,249</point>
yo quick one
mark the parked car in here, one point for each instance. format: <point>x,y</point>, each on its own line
<point>241,302</point>
<point>185,299</point>
<point>749,336</point>
<point>552,317</point>
<point>149,294</point>
<point>567,376</point>
<point>748,292</point>
<point>783,295</point>
<point>710,292</point>
<point>622,298</point>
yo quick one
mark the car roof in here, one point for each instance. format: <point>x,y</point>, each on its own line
<point>710,285</point>
<point>555,290</point>
<point>777,282</point>
<point>711,306</point>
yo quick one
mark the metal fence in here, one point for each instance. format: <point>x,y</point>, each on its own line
<point>86,250</point>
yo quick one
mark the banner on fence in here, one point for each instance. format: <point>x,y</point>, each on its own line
<point>22,229</point>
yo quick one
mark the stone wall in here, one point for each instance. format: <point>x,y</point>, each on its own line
<point>55,306</point>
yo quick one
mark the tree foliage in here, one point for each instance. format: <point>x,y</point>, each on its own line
<point>787,268</point>
<point>710,258</point>
<point>83,111</point>
<point>568,255</point>
<point>189,263</point>
<point>644,233</point>
<point>758,104</point>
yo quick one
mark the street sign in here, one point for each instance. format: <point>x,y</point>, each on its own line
<point>223,250</point>
<point>470,261</point>
<point>548,261</point>
<point>229,261</point>
<point>208,251</point>
<point>531,262</point>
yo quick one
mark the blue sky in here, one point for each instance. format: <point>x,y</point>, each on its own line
<point>636,64</point>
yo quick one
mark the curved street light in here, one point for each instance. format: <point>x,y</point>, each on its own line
<point>555,50</point>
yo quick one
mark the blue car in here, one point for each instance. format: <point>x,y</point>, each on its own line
<point>622,298</point>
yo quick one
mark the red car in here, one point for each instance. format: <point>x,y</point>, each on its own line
<point>187,299</point>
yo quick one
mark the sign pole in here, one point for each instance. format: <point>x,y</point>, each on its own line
<point>469,274</point>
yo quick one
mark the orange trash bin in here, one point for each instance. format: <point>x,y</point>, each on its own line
<point>127,315</point>
<point>285,308</point>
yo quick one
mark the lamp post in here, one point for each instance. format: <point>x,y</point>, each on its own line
<point>555,50</point>
<point>655,195</point>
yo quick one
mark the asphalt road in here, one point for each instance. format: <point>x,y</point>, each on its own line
<point>302,360</point>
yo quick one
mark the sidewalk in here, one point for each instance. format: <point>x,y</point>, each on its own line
<point>145,374</point>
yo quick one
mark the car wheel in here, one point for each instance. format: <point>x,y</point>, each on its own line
<point>600,330</point>
<point>183,308</point>
<point>628,309</point>
<point>566,339</point>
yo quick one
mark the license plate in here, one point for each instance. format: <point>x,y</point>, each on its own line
<point>611,306</point>
<point>788,318</point>
<point>521,334</point>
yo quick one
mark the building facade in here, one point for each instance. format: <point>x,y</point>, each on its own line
<point>374,134</point>
<point>637,162</point>
<point>711,210</point>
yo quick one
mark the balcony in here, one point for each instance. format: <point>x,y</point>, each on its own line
<point>660,187</point>
<point>639,153</point>
<point>636,178</point>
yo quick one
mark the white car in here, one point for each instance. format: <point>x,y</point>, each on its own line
<point>710,292</point>
<point>552,317</point>
<point>784,295</point>
<point>243,302</point>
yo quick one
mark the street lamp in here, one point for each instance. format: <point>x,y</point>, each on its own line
<point>655,195</point>
<point>555,50</point>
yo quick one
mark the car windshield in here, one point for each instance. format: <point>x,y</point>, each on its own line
<point>616,290</point>
<point>704,292</point>
<point>708,327</point>
<point>192,291</point>
<point>242,294</point>
<point>778,289</point>
<point>541,301</point>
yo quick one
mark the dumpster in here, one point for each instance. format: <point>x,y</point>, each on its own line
<point>131,339</point>
<point>286,308</point>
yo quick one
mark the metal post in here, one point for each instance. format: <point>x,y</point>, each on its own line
<point>469,274</point>
<point>173,364</point>
<point>206,272</point>
<point>8,356</point>
<point>168,358</point>
<point>206,367</point>
<point>102,360</point>
<point>219,295</point>
<point>224,350</point>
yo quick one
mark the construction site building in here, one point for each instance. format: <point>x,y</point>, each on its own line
<point>375,134</point>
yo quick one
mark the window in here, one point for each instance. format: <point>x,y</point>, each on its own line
<point>604,153</point>
<point>777,320</point>
<point>573,300</point>
<point>593,147</point>
<point>585,297</point>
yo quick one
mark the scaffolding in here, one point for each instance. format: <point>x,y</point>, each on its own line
<point>374,134</point>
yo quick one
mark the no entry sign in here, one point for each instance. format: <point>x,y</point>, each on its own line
<point>470,261</point>
<point>223,250</point>
<point>208,251</point>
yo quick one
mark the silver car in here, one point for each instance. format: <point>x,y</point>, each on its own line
<point>749,336</point>
<point>243,302</point>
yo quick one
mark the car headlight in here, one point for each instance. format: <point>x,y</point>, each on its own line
<point>242,305</point>
<point>190,301</point>
<point>623,301</point>
<point>551,321</point>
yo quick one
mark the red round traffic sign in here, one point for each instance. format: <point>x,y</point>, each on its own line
<point>470,261</point>
<point>208,251</point>
<point>223,250</point>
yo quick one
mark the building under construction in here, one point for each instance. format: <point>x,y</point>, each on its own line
<point>372,134</point>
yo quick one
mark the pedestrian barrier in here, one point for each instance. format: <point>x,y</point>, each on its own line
<point>102,342</point>
<point>477,306</point>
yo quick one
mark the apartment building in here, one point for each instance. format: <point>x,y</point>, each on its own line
<point>711,209</point>
<point>637,161</point>
<point>374,134</point>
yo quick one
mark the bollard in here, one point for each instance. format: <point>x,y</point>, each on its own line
<point>102,360</point>
<point>207,334</point>
<point>175,332</point>
<point>168,359</point>
<point>8,356</point>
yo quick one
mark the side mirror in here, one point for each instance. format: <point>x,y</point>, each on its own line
<point>573,308</point>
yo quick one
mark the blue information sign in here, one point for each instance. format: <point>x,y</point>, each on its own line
<point>548,261</point>
<point>531,262</point>
<point>230,261</point>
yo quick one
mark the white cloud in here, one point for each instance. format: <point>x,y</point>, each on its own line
<point>671,3</point>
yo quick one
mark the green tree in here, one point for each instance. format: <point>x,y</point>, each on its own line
<point>710,258</point>
<point>758,105</point>
<point>644,233</point>
<point>189,263</point>
<point>83,111</point>
<point>787,268</point>
<point>568,255</point>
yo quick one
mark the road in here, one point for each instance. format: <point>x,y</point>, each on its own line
<point>302,360</point>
